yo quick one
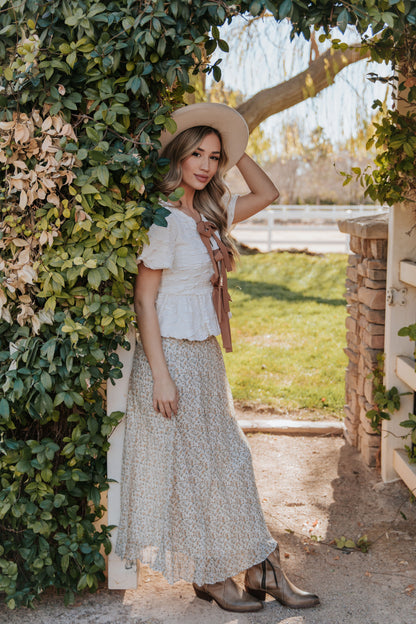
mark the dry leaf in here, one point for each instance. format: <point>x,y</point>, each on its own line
<point>27,190</point>
<point>21,133</point>
<point>6,315</point>
<point>43,238</point>
<point>20,242</point>
<point>3,298</point>
<point>47,143</point>
<point>23,200</point>
<point>37,118</point>
<point>35,324</point>
<point>20,164</point>
<point>7,125</point>
<point>24,256</point>
<point>68,131</point>
<point>27,274</point>
<point>25,313</point>
<point>54,199</point>
<point>47,123</point>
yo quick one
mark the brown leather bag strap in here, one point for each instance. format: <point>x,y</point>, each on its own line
<point>221,263</point>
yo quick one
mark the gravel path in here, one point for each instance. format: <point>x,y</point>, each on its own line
<point>309,486</point>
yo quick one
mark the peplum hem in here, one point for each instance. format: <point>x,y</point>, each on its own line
<point>190,316</point>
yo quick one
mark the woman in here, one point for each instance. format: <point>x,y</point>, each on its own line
<point>190,507</point>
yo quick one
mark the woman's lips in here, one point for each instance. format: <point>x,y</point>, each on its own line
<point>202,178</point>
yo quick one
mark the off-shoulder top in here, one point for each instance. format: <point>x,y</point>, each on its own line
<point>184,302</point>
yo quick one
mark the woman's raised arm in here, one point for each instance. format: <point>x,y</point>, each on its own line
<point>262,190</point>
<point>165,394</point>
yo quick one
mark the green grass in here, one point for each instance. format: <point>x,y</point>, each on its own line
<point>288,328</point>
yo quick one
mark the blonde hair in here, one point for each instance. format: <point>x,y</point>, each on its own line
<point>209,201</point>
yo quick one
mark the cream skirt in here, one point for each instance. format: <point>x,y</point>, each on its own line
<point>189,503</point>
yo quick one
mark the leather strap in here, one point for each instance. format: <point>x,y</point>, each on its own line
<point>221,262</point>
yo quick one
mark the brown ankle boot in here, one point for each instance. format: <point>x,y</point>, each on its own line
<point>268,577</point>
<point>228,595</point>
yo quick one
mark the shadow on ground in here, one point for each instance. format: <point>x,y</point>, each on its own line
<point>258,290</point>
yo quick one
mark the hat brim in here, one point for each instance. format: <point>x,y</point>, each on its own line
<point>229,123</point>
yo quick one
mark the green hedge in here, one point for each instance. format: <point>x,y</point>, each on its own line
<point>85,89</point>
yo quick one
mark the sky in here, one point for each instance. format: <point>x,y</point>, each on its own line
<point>262,56</point>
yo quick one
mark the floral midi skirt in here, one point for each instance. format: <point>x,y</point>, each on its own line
<point>189,503</point>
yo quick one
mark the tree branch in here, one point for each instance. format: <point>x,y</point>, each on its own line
<point>319,75</point>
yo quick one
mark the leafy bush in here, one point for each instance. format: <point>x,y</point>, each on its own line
<point>86,89</point>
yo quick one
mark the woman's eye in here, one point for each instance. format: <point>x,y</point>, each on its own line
<point>214,158</point>
<point>196,154</point>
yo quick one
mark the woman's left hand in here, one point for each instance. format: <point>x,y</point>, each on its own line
<point>165,396</point>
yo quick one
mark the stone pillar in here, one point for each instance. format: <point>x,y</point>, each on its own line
<point>366,297</point>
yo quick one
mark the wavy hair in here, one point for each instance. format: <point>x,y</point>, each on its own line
<point>208,201</point>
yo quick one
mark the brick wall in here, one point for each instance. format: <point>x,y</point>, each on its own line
<point>366,297</point>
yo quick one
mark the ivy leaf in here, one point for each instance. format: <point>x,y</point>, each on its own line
<point>170,125</point>
<point>94,278</point>
<point>134,84</point>
<point>223,45</point>
<point>255,7</point>
<point>4,408</point>
<point>342,21</point>
<point>88,189</point>
<point>103,175</point>
<point>217,73</point>
<point>71,58</point>
<point>285,9</point>
<point>65,563</point>
<point>46,380</point>
<point>388,18</point>
<point>210,46</point>
<point>8,74</point>
<point>215,32</point>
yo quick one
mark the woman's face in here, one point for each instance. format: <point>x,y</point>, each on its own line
<point>200,167</point>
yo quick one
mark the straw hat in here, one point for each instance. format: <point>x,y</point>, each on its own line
<point>229,123</point>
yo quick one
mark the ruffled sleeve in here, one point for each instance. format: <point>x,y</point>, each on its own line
<point>231,209</point>
<point>160,251</point>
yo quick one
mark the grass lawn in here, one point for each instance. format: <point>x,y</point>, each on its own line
<point>289,333</point>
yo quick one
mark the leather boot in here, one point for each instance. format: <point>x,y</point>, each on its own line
<point>268,577</point>
<point>228,595</point>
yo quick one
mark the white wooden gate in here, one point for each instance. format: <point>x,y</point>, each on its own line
<point>119,576</point>
<point>399,351</point>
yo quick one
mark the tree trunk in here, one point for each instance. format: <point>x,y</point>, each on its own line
<point>319,75</point>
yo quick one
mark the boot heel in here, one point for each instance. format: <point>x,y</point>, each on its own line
<point>202,594</point>
<point>257,593</point>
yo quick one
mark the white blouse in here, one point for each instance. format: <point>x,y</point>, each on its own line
<point>184,302</point>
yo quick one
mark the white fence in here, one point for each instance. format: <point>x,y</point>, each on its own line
<point>314,218</point>
<point>315,212</point>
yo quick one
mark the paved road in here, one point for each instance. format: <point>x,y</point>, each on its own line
<point>316,238</point>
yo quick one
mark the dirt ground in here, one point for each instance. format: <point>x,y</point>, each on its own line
<point>310,487</point>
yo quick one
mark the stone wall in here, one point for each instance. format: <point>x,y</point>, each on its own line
<point>366,300</point>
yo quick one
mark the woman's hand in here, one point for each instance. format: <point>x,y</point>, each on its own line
<point>165,396</point>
